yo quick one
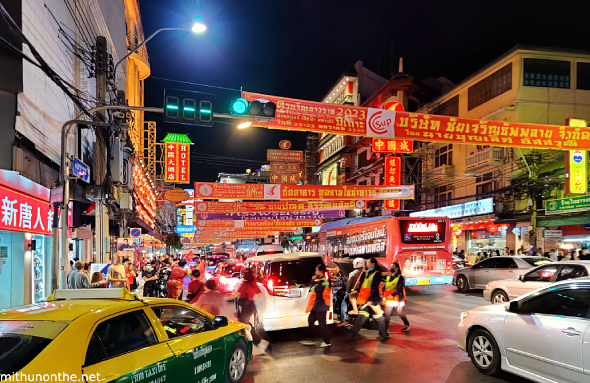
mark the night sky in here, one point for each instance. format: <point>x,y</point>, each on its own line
<point>299,49</point>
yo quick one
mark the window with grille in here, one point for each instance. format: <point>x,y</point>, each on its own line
<point>443,156</point>
<point>583,76</point>
<point>546,73</point>
<point>362,157</point>
<point>486,184</point>
<point>442,194</point>
<point>490,87</point>
<point>448,108</point>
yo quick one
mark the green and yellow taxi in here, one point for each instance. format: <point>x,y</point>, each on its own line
<point>111,335</point>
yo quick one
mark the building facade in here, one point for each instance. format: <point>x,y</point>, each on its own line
<point>527,84</point>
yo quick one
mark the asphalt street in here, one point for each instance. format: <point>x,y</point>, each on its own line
<point>428,353</point>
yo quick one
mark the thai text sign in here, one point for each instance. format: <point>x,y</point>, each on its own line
<point>21,212</point>
<point>576,165</point>
<point>177,162</point>
<point>274,215</point>
<point>278,155</point>
<point>287,206</point>
<point>269,223</point>
<point>291,179</point>
<point>392,176</point>
<point>284,167</point>
<point>566,205</point>
<point>391,145</point>
<point>307,192</point>
<point>329,118</point>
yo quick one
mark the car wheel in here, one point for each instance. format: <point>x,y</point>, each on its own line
<point>484,352</point>
<point>499,296</point>
<point>236,366</point>
<point>462,283</point>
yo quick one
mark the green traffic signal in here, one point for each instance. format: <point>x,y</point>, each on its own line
<point>239,106</point>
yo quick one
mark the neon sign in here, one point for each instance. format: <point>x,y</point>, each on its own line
<point>422,227</point>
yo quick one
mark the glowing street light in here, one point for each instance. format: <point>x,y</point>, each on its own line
<point>199,27</point>
<point>244,125</point>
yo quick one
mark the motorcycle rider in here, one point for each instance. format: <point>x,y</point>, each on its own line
<point>394,295</point>
<point>359,265</point>
<point>369,298</point>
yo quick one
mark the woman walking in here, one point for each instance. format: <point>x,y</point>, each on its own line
<point>248,293</point>
<point>394,296</point>
<point>176,278</point>
<point>130,274</point>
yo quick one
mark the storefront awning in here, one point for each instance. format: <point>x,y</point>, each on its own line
<point>561,220</point>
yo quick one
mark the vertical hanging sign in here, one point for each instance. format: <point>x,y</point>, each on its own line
<point>576,164</point>
<point>392,177</point>
<point>177,154</point>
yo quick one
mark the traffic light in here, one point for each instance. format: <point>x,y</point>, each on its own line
<point>186,107</point>
<point>258,109</point>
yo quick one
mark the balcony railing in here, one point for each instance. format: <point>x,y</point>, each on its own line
<point>485,158</point>
<point>443,173</point>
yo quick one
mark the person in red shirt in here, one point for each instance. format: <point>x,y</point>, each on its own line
<point>175,279</point>
<point>195,287</point>
<point>248,293</point>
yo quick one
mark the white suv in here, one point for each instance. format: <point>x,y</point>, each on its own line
<point>284,280</point>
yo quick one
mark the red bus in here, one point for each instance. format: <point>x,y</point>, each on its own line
<point>422,246</point>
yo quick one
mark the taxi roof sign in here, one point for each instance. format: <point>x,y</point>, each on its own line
<point>120,293</point>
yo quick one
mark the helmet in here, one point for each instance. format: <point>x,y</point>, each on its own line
<point>358,263</point>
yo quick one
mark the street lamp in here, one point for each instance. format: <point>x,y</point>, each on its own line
<point>197,27</point>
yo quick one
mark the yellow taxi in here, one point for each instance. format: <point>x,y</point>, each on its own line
<point>111,335</point>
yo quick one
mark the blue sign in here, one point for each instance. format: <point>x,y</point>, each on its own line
<point>185,229</point>
<point>135,232</point>
<point>586,226</point>
<point>81,170</point>
<point>578,157</point>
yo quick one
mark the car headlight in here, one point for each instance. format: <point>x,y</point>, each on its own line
<point>488,286</point>
<point>464,315</point>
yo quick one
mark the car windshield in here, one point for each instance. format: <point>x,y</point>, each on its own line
<point>22,341</point>
<point>537,261</point>
<point>295,272</point>
<point>229,270</point>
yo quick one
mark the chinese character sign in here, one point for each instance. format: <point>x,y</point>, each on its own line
<point>391,145</point>
<point>291,179</point>
<point>392,177</point>
<point>20,212</point>
<point>319,117</point>
<point>284,167</point>
<point>177,169</point>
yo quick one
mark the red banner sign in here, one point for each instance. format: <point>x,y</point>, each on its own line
<point>285,144</point>
<point>255,207</point>
<point>392,176</point>
<point>291,179</point>
<point>267,223</point>
<point>284,167</point>
<point>177,162</point>
<point>293,114</point>
<point>278,155</point>
<point>391,145</point>
<point>21,212</point>
<point>307,192</point>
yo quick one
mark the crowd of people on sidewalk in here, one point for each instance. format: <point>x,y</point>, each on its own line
<point>582,254</point>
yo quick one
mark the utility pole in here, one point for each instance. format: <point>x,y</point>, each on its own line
<point>102,139</point>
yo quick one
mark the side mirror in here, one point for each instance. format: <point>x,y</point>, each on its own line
<point>512,307</point>
<point>521,278</point>
<point>220,321</point>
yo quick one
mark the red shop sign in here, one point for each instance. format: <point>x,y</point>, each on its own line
<point>21,212</point>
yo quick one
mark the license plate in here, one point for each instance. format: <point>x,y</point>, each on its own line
<point>295,293</point>
<point>423,281</point>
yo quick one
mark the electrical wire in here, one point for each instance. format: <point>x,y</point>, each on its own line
<point>192,83</point>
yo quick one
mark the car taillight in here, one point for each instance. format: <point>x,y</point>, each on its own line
<point>222,279</point>
<point>330,317</point>
<point>278,290</point>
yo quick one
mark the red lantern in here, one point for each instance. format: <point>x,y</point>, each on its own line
<point>492,228</point>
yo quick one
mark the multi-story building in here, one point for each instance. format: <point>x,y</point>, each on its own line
<point>367,165</point>
<point>35,103</point>
<point>495,194</point>
<point>352,88</point>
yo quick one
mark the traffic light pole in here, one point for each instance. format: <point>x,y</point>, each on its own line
<point>61,264</point>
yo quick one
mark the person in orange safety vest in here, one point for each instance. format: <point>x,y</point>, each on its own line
<point>369,301</point>
<point>394,295</point>
<point>320,300</point>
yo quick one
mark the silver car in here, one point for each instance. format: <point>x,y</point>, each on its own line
<point>502,291</point>
<point>493,269</point>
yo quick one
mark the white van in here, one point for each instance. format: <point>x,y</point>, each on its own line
<point>284,280</point>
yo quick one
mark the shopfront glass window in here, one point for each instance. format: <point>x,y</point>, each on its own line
<point>483,241</point>
<point>39,248</point>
